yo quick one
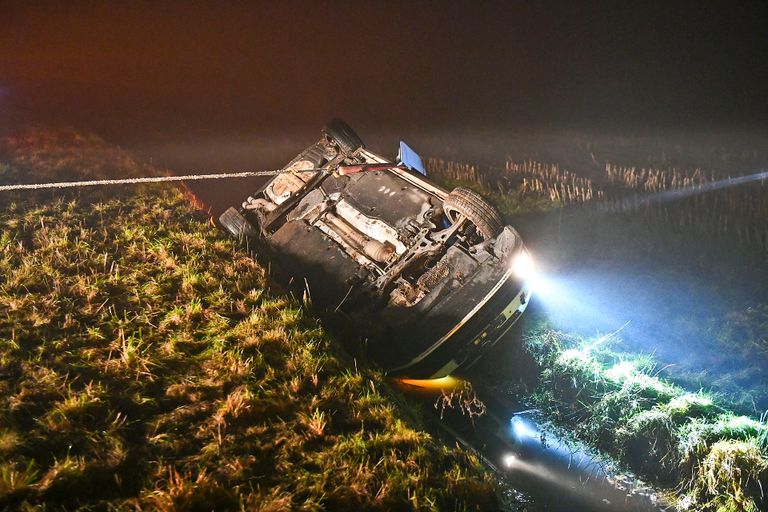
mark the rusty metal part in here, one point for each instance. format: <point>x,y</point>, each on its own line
<point>354,169</point>
<point>377,251</point>
<point>433,276</point>
<point>371,227</point>
<point>288,183</point>
<point>427,245</point>
<point>405,295</point>
<point>259,204</point>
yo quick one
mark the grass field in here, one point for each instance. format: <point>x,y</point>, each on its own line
<point>145,365</point>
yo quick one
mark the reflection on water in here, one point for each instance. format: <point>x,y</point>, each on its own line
<point>540,457</point>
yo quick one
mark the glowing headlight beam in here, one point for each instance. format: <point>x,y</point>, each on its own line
<point>522,265</point>
<point>509,460</point>
<point>640,200</point>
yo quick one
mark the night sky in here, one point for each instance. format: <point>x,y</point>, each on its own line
<point>131,71</point>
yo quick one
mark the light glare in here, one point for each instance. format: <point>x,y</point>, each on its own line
<point>446,383</point>
<point>522,266</point>
<point>621,371</point>
<point>521,429</point>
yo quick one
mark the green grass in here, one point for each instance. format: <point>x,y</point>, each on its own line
<point>712,458</point>
<point>145,366</point>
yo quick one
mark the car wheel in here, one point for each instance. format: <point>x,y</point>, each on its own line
<point>478,211</point>
<point>344,136</point>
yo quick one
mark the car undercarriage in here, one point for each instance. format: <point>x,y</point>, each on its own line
<point>425,277</point>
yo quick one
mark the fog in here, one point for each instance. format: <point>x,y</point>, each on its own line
<point>201,84</point>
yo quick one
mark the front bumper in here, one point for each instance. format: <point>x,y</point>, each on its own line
<point>476,333</point>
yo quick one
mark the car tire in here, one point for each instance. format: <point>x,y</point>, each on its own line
<point>478,211</point>
<point>344,136</point>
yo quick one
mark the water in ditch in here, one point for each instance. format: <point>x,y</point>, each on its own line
<point>538,468</point>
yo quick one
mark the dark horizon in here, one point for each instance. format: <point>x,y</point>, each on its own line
<point>138,71</point>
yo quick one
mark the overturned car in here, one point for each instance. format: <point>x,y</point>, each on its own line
<point>426,279</point>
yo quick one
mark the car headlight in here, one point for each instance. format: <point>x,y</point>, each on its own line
<point>522,265</point>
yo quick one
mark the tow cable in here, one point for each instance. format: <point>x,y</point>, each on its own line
<point>341,170</point>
